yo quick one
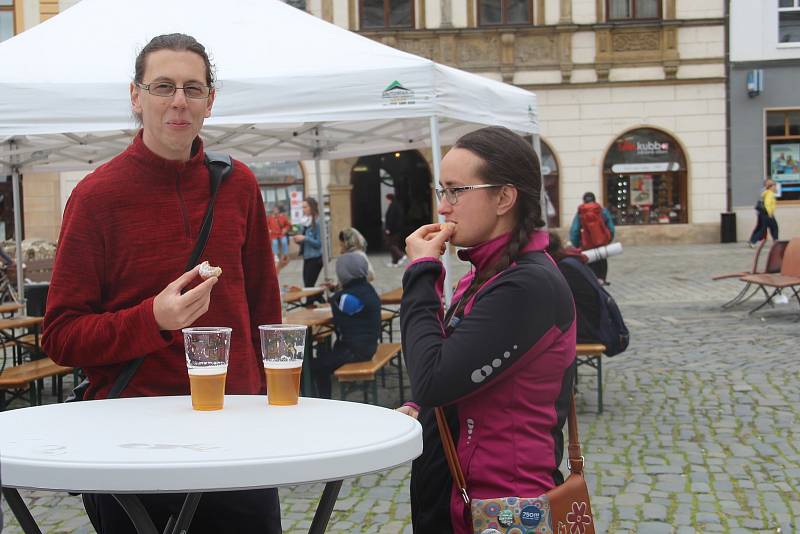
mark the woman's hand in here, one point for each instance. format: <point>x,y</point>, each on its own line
<point>299,238</point>
<point>409,411</point>
<point>428,241</point>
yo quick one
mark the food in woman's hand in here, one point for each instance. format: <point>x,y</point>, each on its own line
<point>207,271</point>
<point>447,226</point>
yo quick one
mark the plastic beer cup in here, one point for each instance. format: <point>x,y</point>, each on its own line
<point>282,348</point>
<point>207,351</point>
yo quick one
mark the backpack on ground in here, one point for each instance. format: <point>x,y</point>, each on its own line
<point>611,330</point>
<point>594,232</point>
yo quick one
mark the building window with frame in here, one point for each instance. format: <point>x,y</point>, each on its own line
<point>377,14</point>
<point>783,152</point>
<point>7,29</point>
<point>504,12</point>
<point>789,21</point>
<point>633,9</point>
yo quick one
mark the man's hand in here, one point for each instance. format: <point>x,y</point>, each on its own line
<point>174,310</point>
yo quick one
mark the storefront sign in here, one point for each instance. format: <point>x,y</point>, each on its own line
<point>645,167</point>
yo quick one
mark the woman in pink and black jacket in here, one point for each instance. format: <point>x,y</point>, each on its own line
<point>501,361</point>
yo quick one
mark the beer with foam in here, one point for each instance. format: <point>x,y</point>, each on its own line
<point>283,382</point>
<point>207,385</point>
<point>283,349</point>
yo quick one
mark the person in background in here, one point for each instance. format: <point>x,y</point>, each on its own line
<point>592,227</point>
<point>311,241</point>
<point>351,240</point>
<point>501,360</point>
<point>119,291</point>
<point>393,228</point>
<point>356,311</point>
<point>279,227</point>
<point>587,307</point>
<point>765,211</point>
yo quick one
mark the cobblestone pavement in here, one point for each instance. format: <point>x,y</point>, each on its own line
<point>697,433</point>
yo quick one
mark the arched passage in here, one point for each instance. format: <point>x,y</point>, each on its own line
<point>407,175</point>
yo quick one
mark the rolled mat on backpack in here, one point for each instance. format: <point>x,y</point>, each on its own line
<point>601,253</point>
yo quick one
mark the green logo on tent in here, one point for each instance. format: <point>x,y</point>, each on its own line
<point>397,95</point>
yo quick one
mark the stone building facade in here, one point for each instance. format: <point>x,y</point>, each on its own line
<point>631,103</point>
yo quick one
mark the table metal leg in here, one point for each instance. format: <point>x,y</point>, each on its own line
<point>325,507</point>
<point>21,511</point>
<point>187,513</point>
<point>137,513</point>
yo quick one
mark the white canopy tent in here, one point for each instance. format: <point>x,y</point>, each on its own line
<point>290,87</point>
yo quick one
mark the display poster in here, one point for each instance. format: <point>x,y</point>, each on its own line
<point>784,162</point>
<point>296,207</point>
<point>641,190</point>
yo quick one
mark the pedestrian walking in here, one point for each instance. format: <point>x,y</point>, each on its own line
<point>393,227</point>
<point>279,226</point>
<point>592,227</point>
<point>765,213</point>
<point>117,292</point>
<point>501,360</point>
<point>311,242</point>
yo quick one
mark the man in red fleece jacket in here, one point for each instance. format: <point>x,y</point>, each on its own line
<point>118,292</point>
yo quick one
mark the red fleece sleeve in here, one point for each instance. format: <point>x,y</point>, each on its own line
<point>76,331</point>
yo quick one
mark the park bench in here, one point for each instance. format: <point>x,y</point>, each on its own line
<point>29,376</point>
<point>362,374</point>
<point>591,354</point>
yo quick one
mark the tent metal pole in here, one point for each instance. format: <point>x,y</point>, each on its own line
<point>18,233</point>
<point>436,154</point>
<point>323,224</point>
<point>537,147</point>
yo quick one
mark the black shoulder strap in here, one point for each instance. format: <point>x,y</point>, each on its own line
<point>219,167</point>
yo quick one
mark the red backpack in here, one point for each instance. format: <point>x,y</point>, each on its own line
<point>594,232</point>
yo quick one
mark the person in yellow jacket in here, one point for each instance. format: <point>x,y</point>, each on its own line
<point>765,209</point>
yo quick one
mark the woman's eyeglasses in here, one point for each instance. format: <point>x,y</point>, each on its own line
<point>451,193</point>
<point>192,90</point>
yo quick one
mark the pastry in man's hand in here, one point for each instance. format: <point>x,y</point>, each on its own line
<point>207,271</point>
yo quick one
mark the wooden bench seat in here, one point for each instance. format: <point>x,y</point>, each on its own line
<point>31,375</point>
<point>363,372</point>
<point>591,354</point>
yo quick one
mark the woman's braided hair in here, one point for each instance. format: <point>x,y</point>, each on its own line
<point>507,159</point>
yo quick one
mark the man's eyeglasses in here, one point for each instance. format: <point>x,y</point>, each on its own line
<point>192,90</point>
<point>451,193</point>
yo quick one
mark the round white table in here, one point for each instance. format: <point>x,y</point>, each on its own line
<point>161,445</point>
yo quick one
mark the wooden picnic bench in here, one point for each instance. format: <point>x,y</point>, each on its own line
<point>30,376</point>
<point>591,354</point>
<point>362,374</point>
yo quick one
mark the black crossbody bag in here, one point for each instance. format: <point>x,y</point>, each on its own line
<point>219,167</point>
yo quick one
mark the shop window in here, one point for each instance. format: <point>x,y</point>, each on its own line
<point>387,14</point>
<point>500,12</point>
<point>645,179</point>
<point>282,184</point>
<point>633,9</point>
<point>7,29</point>
<point>783,152</point>
<point>789,21</point>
